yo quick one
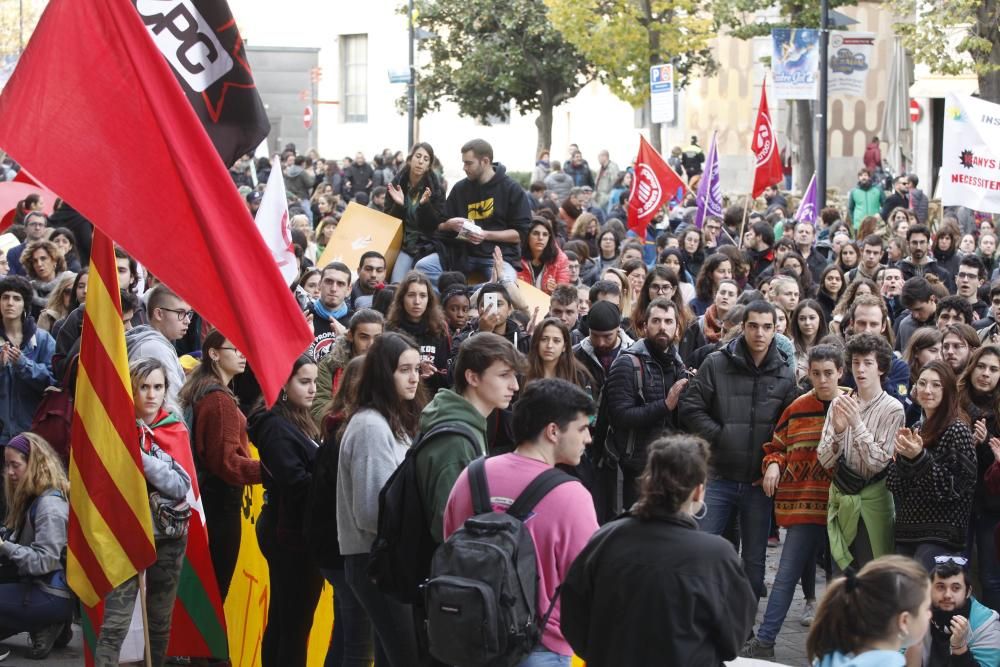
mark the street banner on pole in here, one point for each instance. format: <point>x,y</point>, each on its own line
<point>850,61</point>
<point>795,63</point>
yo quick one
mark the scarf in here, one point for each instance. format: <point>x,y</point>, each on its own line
<point>713,326</point>
<point>330,315</point>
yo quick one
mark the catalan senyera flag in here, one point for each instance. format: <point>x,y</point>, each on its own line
<point>110,526</point>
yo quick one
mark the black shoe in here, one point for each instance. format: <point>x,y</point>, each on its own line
<point>43,640</point>
<point>64,638</point>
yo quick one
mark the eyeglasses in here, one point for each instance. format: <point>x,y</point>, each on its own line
<point>182,315</point>
<point>968,276</point>
<point>660,288</point>
<point>231,349</point>
<point>957,560</point>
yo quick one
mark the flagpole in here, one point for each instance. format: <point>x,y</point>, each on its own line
<point>145,619</point>
<point>743,224</point>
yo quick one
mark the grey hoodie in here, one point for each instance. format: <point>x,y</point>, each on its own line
<point>144,342</point>
<point>37,548</point>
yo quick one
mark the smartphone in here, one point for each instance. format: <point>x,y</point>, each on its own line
<point>490,302</point>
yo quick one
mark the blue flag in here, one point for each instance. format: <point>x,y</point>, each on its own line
<point>709,195</point>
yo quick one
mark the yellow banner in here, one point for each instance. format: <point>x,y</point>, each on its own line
<point>246,605</point>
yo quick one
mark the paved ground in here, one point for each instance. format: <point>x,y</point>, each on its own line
<point>790,647</point>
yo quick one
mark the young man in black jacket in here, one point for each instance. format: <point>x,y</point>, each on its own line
<point>492,200</point>
<point>643,387</point>
<point>734,402</point>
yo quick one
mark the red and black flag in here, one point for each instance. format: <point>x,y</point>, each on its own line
<point>205,51</point>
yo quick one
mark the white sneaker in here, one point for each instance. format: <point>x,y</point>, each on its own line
<point>808,613</point>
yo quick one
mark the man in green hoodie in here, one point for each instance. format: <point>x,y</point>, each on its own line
<point>485,380</point>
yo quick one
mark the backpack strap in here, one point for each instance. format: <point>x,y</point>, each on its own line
<point>536,490</point>
<point>639,379</point>
<point>460,429</point>
<point>479,487</point>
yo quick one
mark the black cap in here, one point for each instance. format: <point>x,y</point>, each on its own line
<point>604,316</point>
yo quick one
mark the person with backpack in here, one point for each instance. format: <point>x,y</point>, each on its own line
<point>552,426</point>
<point>286,438</point>
<point>378,434</point>
<point>642,391</point>
<point>40,602</point>
<point>221,450</point>
<point>650,588</point>
<point>168,485</point>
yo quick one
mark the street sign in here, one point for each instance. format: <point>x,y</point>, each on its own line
<point>661,93</point>
<point>307,117</point>
<point>916,112</point>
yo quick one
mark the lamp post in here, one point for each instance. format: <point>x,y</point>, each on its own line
<point>411,87</point>
<point>821,112</point>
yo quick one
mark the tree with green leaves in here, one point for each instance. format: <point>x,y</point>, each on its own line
<point>955,37</point>
<point>484,54</point>
<point>623,38</point>
<point>742,19</point>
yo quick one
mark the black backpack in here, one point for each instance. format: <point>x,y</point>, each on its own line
<point>482,596</point>
<point>401,554</point>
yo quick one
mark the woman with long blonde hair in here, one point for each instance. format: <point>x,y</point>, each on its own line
<point>36,492</point>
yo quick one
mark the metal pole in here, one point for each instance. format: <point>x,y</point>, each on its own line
<point>20,27</point>
<point>411,87</point>
<point>824,43</point>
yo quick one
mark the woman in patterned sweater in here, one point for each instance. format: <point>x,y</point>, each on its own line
<point>933,477</point>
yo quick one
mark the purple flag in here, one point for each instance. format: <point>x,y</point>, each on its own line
<point>807,207</point>
<point>709,195</point>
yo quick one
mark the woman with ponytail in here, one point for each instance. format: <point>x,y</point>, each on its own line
<point>866,619</point>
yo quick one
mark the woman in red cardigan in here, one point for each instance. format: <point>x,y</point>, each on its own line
<point>221,452</point>
<point>543,264</point>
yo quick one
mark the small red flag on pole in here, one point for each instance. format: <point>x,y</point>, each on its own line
<point>654,184</point>
<point>765,148</point>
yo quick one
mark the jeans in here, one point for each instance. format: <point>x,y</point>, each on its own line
<point>351,642</point>
<point>542,657</point>
<point>404,264</point>
<point>802,544</point>
<point>396,639</point>
<point>295,586</point>
<point>26,607</point>
<point>722,498</point>
<point>984,524</point>
<point>431,267</point>
<point>162,578</point>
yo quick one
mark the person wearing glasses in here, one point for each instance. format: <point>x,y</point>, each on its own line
<point>221,450</point>
<point>963,631</point>
<point>169,317</point>
<point>34,227</point>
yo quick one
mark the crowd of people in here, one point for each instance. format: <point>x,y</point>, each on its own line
<point>698,388</point>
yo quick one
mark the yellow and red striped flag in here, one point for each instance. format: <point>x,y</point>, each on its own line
<point>110,527</point>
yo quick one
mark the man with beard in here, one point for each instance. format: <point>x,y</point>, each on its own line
<point>642,392</point>
<point>962,631</point>
<point>371,274</point>
<point>864,199</point>
<point>920,262</point>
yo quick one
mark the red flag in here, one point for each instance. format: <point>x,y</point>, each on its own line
<point>653,185</point>
<point>765,148</point>
<point>155,182</point>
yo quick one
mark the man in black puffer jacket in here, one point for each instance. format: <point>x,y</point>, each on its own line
<point>734,402</point>
<point>642,389</point>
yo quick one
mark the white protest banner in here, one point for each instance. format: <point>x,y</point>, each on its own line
<point>970,165</point>
<point>850,61</point>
